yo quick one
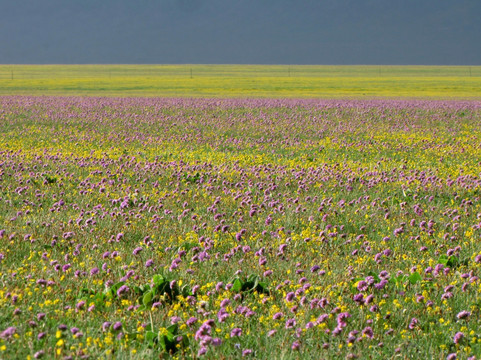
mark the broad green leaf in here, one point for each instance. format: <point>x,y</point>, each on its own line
<point>167,342</point>
<point>158,279</point>
<point>147,299</point>
<point>256,282</point>
<point>452,262</point>
<point>237,285</point>
<point>443,259</point>
<point>150,337</point>
<point>173,329</point>
<point>415,277</point>
<point>185,340</point>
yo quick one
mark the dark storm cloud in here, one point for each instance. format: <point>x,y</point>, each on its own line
<point>241,31</point>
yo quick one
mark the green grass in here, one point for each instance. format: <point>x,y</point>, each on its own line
<point>224,81</point>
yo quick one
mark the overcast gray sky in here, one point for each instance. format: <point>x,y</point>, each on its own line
<point>438,32</point>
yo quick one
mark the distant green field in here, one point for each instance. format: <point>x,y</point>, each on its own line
<point>243,81</point>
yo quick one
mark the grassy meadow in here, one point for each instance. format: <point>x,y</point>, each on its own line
<point>142,228</point>
<point>268,81</point>
<point>228,211</point>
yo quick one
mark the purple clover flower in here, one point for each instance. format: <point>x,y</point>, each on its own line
<point>149,263</point>
<point>122,290</point>
<point>463,315</point>
<point>236,332</point>
<point>458,337</point>
<point>137,250</point>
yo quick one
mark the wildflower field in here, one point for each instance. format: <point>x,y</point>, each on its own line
<point>191,228</point>
<point>268,81</point>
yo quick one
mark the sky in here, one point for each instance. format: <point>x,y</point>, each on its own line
<point>337,32</point>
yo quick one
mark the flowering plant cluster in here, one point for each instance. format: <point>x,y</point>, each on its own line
<point>194,228</point>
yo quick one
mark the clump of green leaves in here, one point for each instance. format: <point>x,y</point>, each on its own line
<point>193,179</point>
<point>168,339</point>
<point>252,283</point>
<point>50,179</point>
<point>161,289</point>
